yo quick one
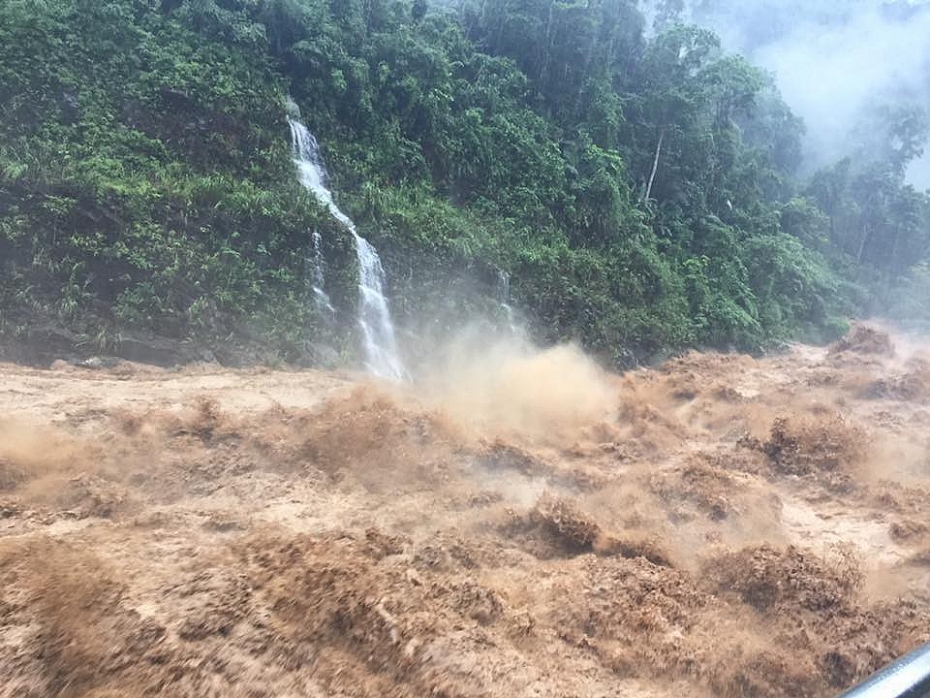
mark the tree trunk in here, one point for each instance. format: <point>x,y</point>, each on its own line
<point>894,248</point>
<point>865,237</point>
<point>585,73</point>
<point>544,70</point>
<point>655,166</point>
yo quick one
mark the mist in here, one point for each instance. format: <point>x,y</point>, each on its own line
<point>832,61</point>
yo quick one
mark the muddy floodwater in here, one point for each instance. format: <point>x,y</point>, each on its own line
<point>522,524</point>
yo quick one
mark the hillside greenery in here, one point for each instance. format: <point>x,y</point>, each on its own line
<point>638,185</point>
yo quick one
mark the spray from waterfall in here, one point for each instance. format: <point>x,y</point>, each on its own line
<point>381,353</point>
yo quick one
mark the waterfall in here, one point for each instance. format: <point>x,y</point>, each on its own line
<point>503,287</point>
<point>503,298</point>
<point>381,354</point>
<point>317,278</point>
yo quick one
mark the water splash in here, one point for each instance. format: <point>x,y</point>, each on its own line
<point>381,353</point>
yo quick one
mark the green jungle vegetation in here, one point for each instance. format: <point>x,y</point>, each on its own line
<point>639,185</point>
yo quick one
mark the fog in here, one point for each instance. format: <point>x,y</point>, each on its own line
<point>832,60</point>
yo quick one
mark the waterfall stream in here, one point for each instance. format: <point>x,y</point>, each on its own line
<point>317,276</point>
<point>381,353</point>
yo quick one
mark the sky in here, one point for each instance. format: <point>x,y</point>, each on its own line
<point>830,59</point>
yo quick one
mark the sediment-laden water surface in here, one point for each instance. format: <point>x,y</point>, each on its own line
<point>522,525</point>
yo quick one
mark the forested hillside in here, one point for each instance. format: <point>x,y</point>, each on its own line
<point>638,185</point>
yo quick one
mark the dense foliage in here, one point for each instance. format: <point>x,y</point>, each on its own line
<point>638,188</point>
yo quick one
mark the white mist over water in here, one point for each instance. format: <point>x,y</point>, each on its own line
<point>381,354</point>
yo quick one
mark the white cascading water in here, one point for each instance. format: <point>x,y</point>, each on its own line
<point>374,316</point>
<point>503,297</point>
<point>317,277</point>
